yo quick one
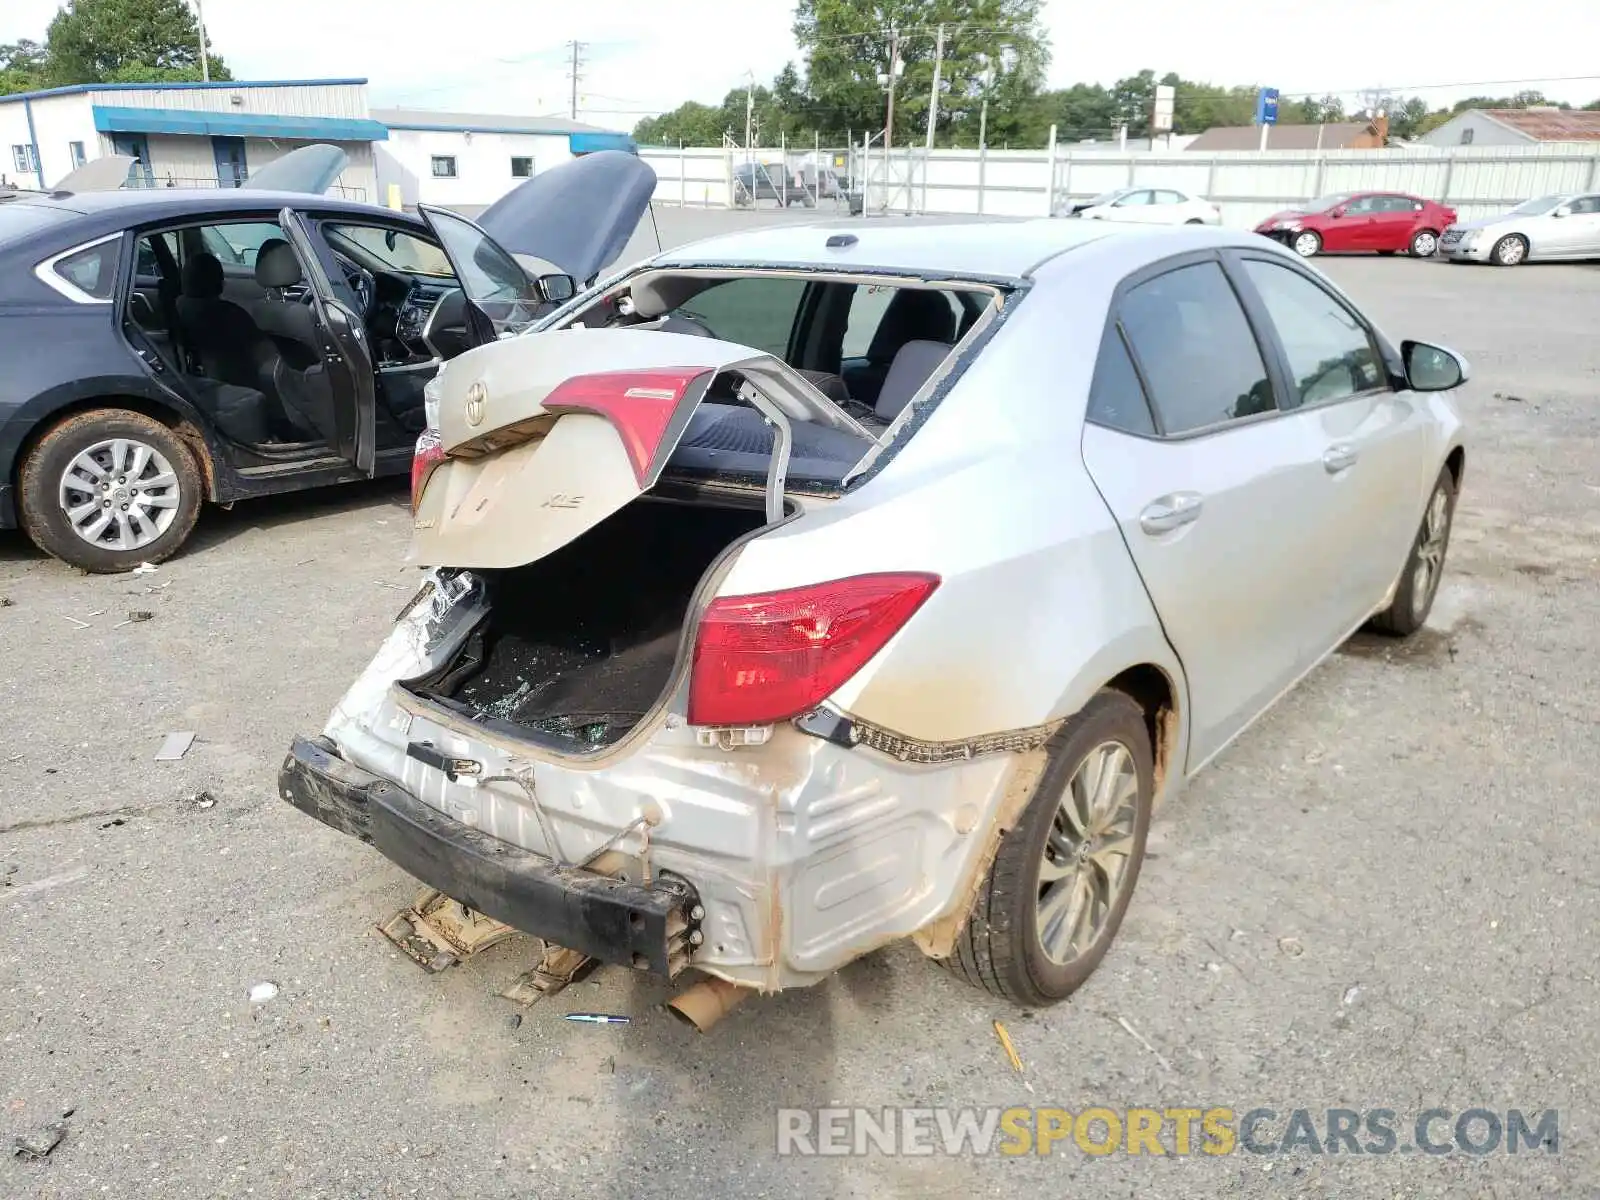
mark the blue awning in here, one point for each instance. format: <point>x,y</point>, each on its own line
<point>109,119</point>
<point>588,143</point>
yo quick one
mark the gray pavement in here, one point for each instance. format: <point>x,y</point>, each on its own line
<point>1385,895</point>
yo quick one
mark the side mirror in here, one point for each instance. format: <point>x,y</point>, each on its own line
<point>558,289</point>
<point>1564,211</point>
<point>1433,368</point>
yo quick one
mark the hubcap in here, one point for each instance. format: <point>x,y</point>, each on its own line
<point>119,494</point>
<point>1511,251</point>
<point>1305,245</point>
<point>1425,245</point>
<point>1087,853</point>
<point>1430,553</point>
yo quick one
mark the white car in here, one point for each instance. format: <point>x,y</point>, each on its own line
<point>805,589</point>
<point>1548,229</point>
<point>1145,206</point>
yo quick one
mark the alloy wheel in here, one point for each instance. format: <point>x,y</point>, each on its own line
<point>1307,244</point>
<point>1424,245</point>
<point>1087,852</point>
<point>1510,251</point>
<point>119,494</point>
<point>1430,552</point>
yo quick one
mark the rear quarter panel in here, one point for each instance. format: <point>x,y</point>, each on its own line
<point>1039,603</point>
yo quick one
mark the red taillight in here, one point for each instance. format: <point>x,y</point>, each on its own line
<point>775,655</point>
<point>428,455</point>
<point>639,403</point>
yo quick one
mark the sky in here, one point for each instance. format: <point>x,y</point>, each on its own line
<point>510,56</point>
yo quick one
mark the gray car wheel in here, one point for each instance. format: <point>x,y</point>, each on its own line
<point>1510,251</point>
<point>1062,878</point>
<point>1424,243</point>
<point>109,489</point>
<point>1307,243</point>
<point>1419,578</point>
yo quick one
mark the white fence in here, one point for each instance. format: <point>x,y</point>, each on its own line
<point>1246,185</point>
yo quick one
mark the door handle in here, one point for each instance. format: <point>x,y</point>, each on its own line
<point>1338,458</point>
<point>1170,512</point>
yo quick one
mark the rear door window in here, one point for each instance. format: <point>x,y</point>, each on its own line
<point>1196,349</point>
<point>755,311</point>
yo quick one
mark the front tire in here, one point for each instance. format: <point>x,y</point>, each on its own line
<point>1062,878</point>
<point>1419,580</point>
<point>1424,243</point>
<point>1307,243</point>
<point>1509,251</point>
<point>109,489</point>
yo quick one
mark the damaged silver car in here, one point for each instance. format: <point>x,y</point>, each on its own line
<point>807,589</point>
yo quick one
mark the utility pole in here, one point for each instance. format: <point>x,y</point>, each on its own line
<point>933,97</point>
<point>749,107</point>
<point>893,78</point>
<point>577,49</point>
<point>205,59</point>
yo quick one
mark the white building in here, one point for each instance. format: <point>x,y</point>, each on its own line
<point>1515,127</point>
<point>187,134</point>
<point>470,160</point>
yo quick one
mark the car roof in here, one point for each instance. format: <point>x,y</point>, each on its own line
<point>135,206</point>
<point>977,248</point>
<point>995,249</point>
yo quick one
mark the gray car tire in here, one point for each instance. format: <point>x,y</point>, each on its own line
<point>1000,948</point>
<point>1413,598</point>
<point>47,524</point>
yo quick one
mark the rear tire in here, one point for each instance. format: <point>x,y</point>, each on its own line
<point>155,499</point>
<point>1413,599</point>
<point>1002,948</point>
<point>1424,244</point>
<point>1510,251</point>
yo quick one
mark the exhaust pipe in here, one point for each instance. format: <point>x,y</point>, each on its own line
<point>707,1002</point>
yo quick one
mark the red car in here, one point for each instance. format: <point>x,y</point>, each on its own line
<point>1381,221</point>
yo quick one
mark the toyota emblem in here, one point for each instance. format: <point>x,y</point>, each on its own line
<point>477,401</point>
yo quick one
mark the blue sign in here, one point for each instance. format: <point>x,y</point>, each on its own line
<point>1267,106</point>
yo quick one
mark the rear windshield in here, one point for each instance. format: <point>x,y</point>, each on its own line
<point>19,219</point>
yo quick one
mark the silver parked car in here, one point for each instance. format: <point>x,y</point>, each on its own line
<point>1547,229</point>
<point>806,589</point>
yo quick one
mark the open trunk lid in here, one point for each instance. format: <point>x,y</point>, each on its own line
<point>544,436</point>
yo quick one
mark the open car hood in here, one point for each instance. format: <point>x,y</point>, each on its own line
<point>578,216</point>
<point>105,174</point>
<point>550,433</point>
<point>309,169</point>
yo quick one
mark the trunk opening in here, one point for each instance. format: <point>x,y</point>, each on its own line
<point>578,645</point>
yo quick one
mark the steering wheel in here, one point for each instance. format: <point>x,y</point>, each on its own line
<point>363,283</point>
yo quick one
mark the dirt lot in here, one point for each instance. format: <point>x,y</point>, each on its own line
<point>1384,896</point>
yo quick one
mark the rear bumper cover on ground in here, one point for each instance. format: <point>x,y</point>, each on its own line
<point>603,917</point>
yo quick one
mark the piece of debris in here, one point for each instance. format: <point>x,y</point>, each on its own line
<point>141,614</point>
<point>1140,1038</point>
<point>75,621</point>
<point>6,602</point>
<point>1291,946</point>
<point>6,872</point>
<point>117,821</point>
<point>513,1020</point>
<point>174,746</point>
<point>1350,994</point>
<point>36,1146</point>
<point>202,799</point>
<point>394,586</point>
<point>1005,1044</point>
<point>1510,397</point>
<point>263,991</point>
<point>597,1018</point>
<point>145,569</point>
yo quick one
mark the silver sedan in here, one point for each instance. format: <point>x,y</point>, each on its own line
<point>1546,229</point>
<point>807,589</point>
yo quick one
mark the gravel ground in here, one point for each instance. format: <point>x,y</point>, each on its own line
<point>1383,896</point>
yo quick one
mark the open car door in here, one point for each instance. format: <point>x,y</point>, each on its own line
<point>501,297</point>
<point>543,437</point>
<point>348,389</point>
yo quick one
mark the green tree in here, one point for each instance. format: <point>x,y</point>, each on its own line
<point>689,124</point>
<point>127,41</point>
<point>22,67</point>
<point>996,46</point>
